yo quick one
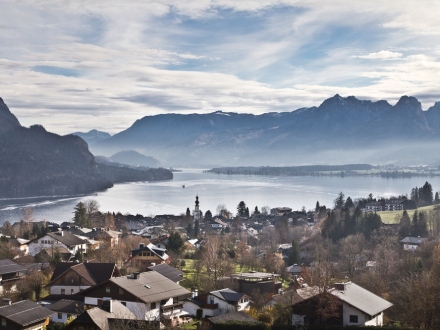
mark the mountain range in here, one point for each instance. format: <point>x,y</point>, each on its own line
<point>339,131</point>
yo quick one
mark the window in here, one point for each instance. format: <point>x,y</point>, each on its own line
<point>353,319</point>
<point>63,291</point>
<point>124,303</point>
<point>3,322</point>
<point>71,291</point>
<point>246,299</point>
<point>60,316</point>
<point>107,289</point>
<point>121,291</point>
<point>153,305</point>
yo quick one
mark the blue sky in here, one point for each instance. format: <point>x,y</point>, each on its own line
<point>78,65</point>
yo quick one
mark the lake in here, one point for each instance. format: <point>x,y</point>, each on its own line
<point>169,197</point>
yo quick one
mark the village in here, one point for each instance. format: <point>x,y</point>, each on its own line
<point>269,268</point>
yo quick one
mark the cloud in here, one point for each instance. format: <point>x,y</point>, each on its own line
<point>382,55</point>
<point>78,65</point>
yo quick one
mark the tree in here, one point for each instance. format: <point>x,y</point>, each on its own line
<point>196,228</point>
<point>349,203</point>
<point>294,255</point>
<point>92,207</point>
<point>80,215</point>
<point>405,225</point>
<point>208,215</point>
<point>7,229</point>
<point>175,242</point>
<point>340,201</point>
<point>351,248</point>
<point>265,210</point>
<point>256,210</point>
<point>222,211</point>
<point>241,209</point>
<point>437,198</point>
<point>317,207</point>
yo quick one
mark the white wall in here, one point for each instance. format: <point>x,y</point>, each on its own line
<point>56,289</point>
<point>348,310</point>
<point>57,320</point>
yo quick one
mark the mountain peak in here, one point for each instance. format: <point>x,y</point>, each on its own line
<point>8,121</point>
<point>409,102</point>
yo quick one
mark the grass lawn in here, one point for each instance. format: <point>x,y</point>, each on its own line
<point>394,216</point>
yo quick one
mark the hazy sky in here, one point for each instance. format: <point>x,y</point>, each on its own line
<point>83,64</point>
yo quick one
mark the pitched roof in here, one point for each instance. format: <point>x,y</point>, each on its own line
<point>7,266</point>
<point>68,306</point>
<point>150,286</point>
<point>233,316</point>
<point>93,272</point>
<point>161,253</point>
<point>103,233</point>
<point>174,274</point>
<point>67,238</point>
<point>360,298</point>
<point>229,295</point>
<point>413,240</point>
<point>25,312</point>
<point>100,317</point>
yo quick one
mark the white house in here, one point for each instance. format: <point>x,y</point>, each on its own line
<point>412,243</point>
<point>65,310</point>
<point>58,239</point>
<point>217,302</point>
<point>150,296</point>
<point>360,306</point>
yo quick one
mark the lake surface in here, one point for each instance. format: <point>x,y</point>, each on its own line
<point>168,197</point>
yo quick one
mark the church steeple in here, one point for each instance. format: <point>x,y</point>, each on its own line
<point>196,213</point>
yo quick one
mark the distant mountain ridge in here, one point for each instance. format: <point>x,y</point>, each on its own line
<point>36,162</point>
<point>341,130</point>
<point>92,136</point>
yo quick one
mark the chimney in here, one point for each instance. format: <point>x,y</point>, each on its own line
<point>136,275</point>
<point>141,245</point>
<point>6,301</point>
<point>85,261</point>
<point>62,233</point>
<point>195,293</point>
<point>340,286</point>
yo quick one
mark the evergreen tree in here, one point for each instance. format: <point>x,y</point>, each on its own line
<point>349,203</point>
<point>196,228</point>
<point>317,207</point>
<point>294,255</point>
<point>405,225</point>
<point>188,212</point>
<point>175,242</point>
<point>415,224</point>
<point>423,225</point>
<point>80,215</point>
<point>190,229</point>
<point>247,212</point>
<point>372,221</point>
<point>208,215</point>
<point>436,199</point>
<point>256,210</point>
<point>340,201</point>
<point>241,209</point>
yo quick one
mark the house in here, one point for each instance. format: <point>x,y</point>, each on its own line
<point>294,270</point>
<point>99,318</point>
<point>104,235</point>
<point>351,305</point>
<point>70,278</point>
<point>360,306</point>
<point>149,295</point>
<point>49,253</point>
<point>394,205</point>
<point>20,245</point>
<point>58,239</point>
<point>374,207</point>
<point>24,314</point>
<point>412,243</point>
<point>10,272</point>
<point>174,274</point>
<point>264,283</point>
<point>217,302</point>
<point>280,210</point>
<point>148,255</point>
<point>226,321</point>
<point>287,298</point>
<point>65,310</point>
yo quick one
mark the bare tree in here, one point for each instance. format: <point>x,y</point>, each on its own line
<point>351,248</point>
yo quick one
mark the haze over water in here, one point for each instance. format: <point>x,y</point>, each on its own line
<point>169,197</point>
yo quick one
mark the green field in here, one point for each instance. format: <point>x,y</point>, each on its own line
<point>390,217</point>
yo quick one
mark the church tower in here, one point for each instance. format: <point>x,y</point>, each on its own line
<point>196,213</point>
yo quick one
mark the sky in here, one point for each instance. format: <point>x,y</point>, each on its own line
<point>77,65</point>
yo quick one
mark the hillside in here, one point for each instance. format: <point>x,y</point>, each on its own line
<point>133,158</point>
<point>339,131</point>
